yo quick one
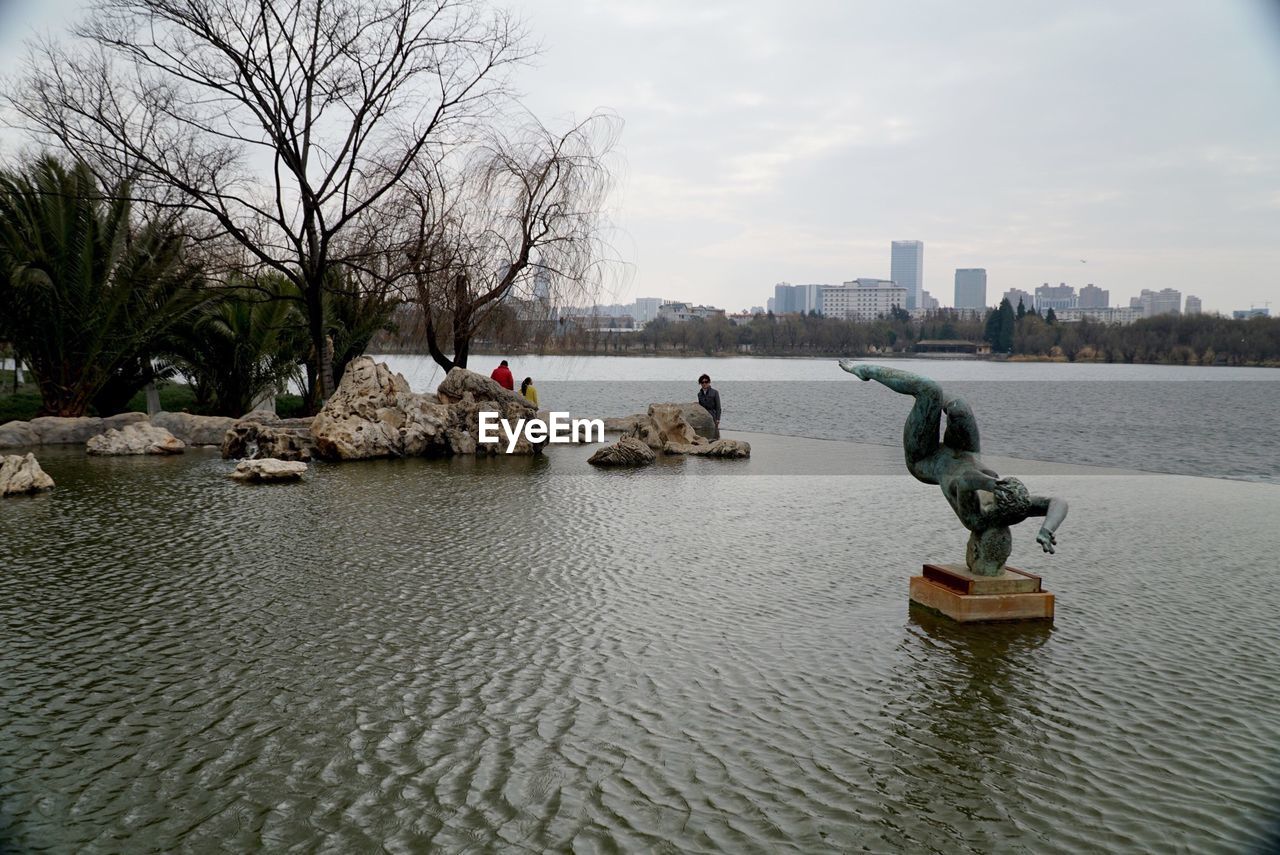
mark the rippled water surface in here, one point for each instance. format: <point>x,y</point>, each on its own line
<point>530,655</point>
<point>1220,422</point>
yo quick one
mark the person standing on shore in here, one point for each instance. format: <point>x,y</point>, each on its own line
<point>530,393</point>
<point>503,375</point>
<point>709,399</point>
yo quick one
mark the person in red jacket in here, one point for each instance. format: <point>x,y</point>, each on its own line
<point>503,375</point>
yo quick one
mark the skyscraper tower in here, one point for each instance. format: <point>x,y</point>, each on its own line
<point>907,269</point>
<point>971,288</point>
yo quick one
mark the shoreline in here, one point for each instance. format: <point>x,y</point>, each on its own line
<point>490,349</point>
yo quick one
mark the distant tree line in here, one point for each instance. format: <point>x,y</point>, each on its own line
<point>1167,339</point>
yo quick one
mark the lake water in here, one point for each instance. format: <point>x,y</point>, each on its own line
<point>1220,422</point>
<point>701,656</point>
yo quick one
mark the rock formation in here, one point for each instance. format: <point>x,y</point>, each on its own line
<point>374,413</point>
<point>627,451</point>
<point>135,439</point>
<point>260,435</point>
<point>268,469</point>
<point>697,418</point>
<point>22,474</point>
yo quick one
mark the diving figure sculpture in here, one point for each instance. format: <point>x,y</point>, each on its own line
<point>985,503</point>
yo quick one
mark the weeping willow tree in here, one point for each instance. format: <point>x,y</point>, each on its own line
<point>85,296</point>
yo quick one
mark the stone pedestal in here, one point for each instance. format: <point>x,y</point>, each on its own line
<point>953,591</point>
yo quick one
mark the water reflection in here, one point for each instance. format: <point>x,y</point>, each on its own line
<point>963,730</point>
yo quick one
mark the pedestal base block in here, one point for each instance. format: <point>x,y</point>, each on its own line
<point>965,597</point>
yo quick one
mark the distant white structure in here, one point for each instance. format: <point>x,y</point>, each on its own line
<point>681,312</point>
<point>646,309</point>
<point>906,267</point>
<point>1193,306</point>
<point>1167,301</point>
<point>1103,315</point>
<point>971,288</point>
<point>862,299</point>
<point>1252,312</point>
<point>1056,297</point>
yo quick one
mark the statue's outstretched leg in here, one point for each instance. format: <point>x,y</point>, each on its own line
<point>920,435</point>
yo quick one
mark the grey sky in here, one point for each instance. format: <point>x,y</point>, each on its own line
<point>771,141</point>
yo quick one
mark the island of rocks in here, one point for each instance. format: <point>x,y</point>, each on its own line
<point>372,414</point>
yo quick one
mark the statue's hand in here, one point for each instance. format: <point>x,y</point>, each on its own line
<point>859,371</point>
<point>1047,540</point>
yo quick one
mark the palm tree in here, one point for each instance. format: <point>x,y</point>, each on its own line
<point>84,296</point>
<point>250,340</point>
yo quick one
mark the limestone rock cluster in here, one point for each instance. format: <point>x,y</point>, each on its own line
<point>697,417</point>
<point>374,413</point>
<point>671,429</point>
<point>135,439</point>
<point>22,474</point>
<point>261,435</point>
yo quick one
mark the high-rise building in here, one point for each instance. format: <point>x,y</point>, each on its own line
<point>646,309</point>
<point>862,299</point>
<point>542,285</point>
<point>1017,295</point>
<point>1056,297</point>
<point>1193,306</point>
<point>797,299</point>
<point>971,288</point>
<point>1167,301</point>
<point>906,268</point>
<point>1093,297</point>
<point>782,298</point>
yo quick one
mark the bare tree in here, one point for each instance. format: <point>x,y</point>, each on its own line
<point>282,120</point>
<point>518,218</point>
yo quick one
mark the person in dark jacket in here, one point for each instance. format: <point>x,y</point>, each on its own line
<point>709,399</point>
<point>503,375</point>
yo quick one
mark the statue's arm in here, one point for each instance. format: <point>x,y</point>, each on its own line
<point>1054,512</point>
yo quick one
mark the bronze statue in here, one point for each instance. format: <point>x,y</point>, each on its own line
<point>985,503</point>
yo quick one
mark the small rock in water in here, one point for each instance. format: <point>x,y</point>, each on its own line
<point>627,451</point>
<point>727,448</point>
<point>268,469</point>
<point>22,474</point>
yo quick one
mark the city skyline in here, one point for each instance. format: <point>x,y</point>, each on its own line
<point>1131,148</point>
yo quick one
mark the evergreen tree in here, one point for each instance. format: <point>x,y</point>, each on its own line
<point>1050,317</point>
<point>991,329</point>
<point>1022,310</point>
<point>1004,343</point>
